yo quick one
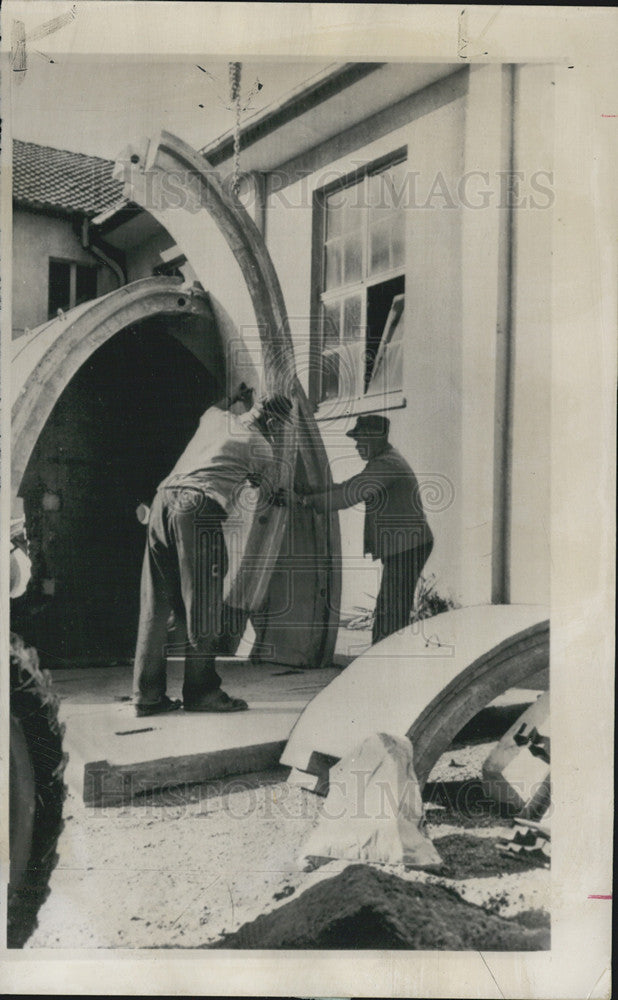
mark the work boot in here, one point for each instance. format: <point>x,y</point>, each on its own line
<point>216,701</point>
<point>158,707</point>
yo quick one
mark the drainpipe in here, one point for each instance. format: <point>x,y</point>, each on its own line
<point>501,569</point>
<point>106,254</point>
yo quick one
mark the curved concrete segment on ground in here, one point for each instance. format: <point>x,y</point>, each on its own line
<point>425,682</point>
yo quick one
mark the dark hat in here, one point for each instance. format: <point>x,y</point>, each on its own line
<point>277,406</point>
<point>371,425</point>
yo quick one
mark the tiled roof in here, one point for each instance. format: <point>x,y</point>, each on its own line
<point>58,180</point>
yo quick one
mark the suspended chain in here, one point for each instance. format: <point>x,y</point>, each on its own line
<point>234,74</point>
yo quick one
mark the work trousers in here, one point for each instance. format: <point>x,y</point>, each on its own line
<point>184,565</point>
<point>396,597</point>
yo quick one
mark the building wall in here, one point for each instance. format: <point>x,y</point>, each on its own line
<point>426,415</point>
<point>473,417</point>
<point>506,274</point>
<point>36,238</point>
<point>529,551</point>
<point>143,258</point>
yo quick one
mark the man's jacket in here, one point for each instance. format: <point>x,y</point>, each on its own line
<point>222,453</point>
<point>394,517</point>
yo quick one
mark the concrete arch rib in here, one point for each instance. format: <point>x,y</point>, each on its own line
<point>45,361</point>
<point>197,194</point>
<point>512,663</point>
<point>198,189</point>
<point>426,683</point>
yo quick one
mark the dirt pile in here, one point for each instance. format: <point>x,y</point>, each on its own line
<point>365,908</point>
<point>466,856</point>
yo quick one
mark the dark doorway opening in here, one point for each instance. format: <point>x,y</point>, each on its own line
<point>114,434</point>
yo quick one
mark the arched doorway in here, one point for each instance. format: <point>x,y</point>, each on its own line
<point>113,434</point>
<point>104,399</point>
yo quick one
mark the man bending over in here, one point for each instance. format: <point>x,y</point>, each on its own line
<point>185,560</point>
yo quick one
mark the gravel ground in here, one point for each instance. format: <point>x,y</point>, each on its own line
<point>183,867</point>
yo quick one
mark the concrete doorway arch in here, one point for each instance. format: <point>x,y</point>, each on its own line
<point>46,359</point>
<point>105,399</point>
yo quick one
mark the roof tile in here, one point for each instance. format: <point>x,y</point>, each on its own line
<point>59,180</point>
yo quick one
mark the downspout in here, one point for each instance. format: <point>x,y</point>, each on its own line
<point>96,245</point>
<point>503,422</point>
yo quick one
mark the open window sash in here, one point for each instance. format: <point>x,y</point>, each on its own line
<point>386,375</point>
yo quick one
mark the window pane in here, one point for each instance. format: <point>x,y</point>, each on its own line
<point>330,376</point>
<point>334,214</point>
<point>59,286</point>
<point>351,368</point>
<point>353,212</point>
<point>398,242</point>
<point>394,182</point>
<point>352,318</point>
<point>379,247</point>
<point>352,258</point>
<point>330,324</point>
<point>390,375</point>
<point>86,284</point>
<point>333,264</point>
<point>380,202</point>
<point>385,305</point>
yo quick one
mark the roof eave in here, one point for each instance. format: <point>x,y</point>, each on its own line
<point>116,215</point>
<point>329,82</point>
<point>50,208</point>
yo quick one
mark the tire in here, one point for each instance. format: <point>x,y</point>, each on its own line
<point>36,790</point>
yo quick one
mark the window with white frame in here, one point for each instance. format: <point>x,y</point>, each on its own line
<point>69,285</point>
<point>362,284</point>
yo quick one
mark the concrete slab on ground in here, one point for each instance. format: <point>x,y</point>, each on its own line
<point>114,756</point>
<point>262,682</point>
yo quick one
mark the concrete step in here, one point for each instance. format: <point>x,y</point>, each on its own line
<point>114,756</point>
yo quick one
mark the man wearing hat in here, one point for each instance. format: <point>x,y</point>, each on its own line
<point>185,560</point>
<point>396,530</point>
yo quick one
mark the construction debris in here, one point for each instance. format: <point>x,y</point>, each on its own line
<point>516,773</point>
<point>527,840</point>
<point>373,811</point>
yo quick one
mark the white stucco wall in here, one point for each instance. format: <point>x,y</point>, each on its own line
<point>484,278</point>
<point>144,257</point>
<point>36,238</point>
<point>426,428</point>
<point>465,282</point>
<point>532,330</point>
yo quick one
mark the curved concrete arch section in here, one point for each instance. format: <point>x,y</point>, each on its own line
<point>45,360</point>
<point>181,190</point>
<point>425,683</point>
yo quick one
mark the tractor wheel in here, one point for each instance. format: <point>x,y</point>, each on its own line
<point>36,790</point>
